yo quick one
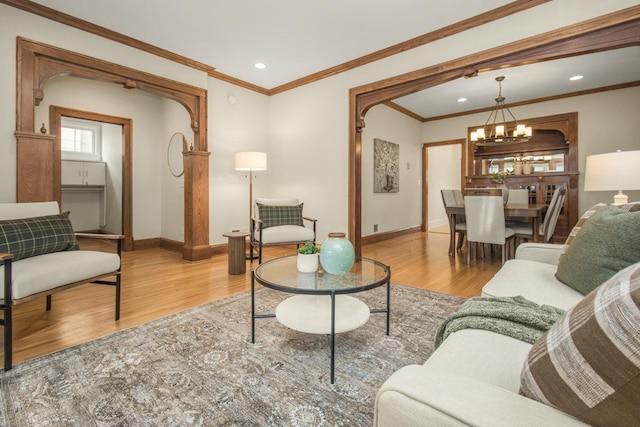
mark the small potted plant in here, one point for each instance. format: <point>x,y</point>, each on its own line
<point>500,179</point>
<point>308,257</point>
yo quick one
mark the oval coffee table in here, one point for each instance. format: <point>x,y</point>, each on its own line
<point>321,305</point>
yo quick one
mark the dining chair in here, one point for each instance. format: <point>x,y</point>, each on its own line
<point>483,191</point>
<point>548,226</point>
<point>449,199</point>
<point>485,223</point>
<point>518,196</point>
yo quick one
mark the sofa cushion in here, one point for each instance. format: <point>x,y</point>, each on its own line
<point>274,215</point>
<point>28,237</point>
<point>606,243</point>
<point>533,280</point>
<point>49,271</point>
<point>588,363</point>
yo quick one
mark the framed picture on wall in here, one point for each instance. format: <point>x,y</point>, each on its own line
<point>386,166</point>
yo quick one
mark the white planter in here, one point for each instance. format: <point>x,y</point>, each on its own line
<point>517,168</point>
<point>527,168</point>
<point>307,263</point>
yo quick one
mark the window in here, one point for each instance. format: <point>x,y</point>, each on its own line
<point>80,139</point>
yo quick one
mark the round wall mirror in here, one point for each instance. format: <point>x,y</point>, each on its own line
<point>177,145</point>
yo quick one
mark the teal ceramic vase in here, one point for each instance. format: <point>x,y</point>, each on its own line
<point>337,254</point>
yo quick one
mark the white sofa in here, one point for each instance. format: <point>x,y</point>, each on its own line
<point>473,378</point>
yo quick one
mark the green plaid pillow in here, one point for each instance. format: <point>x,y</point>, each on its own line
<point>272,215</point>
<point>28,237</point>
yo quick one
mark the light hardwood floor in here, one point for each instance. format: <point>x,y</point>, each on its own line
<point>157,282</point>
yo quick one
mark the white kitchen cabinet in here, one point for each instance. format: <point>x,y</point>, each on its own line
<point>83,173</point>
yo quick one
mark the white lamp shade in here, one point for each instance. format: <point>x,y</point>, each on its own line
<point>251,160</point>
<point>613,171</point>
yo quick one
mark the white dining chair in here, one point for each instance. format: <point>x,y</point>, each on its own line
<point>485,223</point>
<point>548,226</point>
<point>518,196</point>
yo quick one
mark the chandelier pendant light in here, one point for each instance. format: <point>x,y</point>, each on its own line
<point>495,130</point>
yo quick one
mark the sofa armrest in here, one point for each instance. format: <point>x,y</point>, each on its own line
<point>414,396</point>
<point>547,253</point>
<point>5,257</point>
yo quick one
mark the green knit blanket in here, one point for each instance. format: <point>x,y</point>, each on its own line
<point>514,317</point>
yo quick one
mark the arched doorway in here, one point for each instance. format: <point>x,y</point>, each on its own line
<point>619,29</point>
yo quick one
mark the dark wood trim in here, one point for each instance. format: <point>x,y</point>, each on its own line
<point>536,100</point>
<point>379,237</point>
<point>72,21</point>
<point>55,121</point>
<point>404,111</point>
<point>449,30</point>
<point>492,15</point>
<point>615,30</point>
<point>38,62</point>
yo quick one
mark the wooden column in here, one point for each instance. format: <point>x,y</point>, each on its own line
<point>36,159</point>
<point>196,206</point>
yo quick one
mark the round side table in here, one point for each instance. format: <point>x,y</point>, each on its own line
<point>236,246</point>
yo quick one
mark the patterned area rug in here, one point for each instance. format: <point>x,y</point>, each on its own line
<point>198,367</point>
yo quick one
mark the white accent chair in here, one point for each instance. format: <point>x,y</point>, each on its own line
<point>45,274</point>
<point>548,227</point>
<point>485,223</point>
<point>286,234</point>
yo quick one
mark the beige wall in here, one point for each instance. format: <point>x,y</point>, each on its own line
<point>607,121</point>
<point>304,130</point>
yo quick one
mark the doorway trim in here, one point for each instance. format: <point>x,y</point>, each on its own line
<point>55,122</point>
<point>615,30</point>
<point>425,173</point>
<point>38,62</point>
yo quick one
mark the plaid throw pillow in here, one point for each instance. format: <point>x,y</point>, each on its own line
<point>28,237</point>
<point>272,216</point>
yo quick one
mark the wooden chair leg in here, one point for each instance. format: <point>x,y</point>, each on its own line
<point>8,337</point>
<point>118,281</point>
<point>460,241</point>
<point>7,320</point>
<point>468,253</point>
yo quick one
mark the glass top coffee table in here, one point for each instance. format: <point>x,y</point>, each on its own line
<point>321,305</point>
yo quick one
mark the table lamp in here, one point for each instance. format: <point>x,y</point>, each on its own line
<point>613,172</point>
<point>251,161</point>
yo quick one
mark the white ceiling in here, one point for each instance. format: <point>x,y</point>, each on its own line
<point>296,39</point>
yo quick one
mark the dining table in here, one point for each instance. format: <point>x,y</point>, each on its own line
<point>533,211</point>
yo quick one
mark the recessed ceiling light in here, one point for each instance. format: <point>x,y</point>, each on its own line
<point>462,99</point>
<point>578,77</point>
<point>260,66</point>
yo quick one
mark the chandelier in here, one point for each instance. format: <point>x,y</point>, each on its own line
<point>496,124</point>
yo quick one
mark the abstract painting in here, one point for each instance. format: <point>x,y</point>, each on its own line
<point>386,161</point>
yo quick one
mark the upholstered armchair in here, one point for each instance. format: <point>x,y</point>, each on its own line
<point>39,255</point>
<point>279,222</point>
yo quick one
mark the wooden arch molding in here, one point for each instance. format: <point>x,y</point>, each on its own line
<point>616,30</point>
<point>36,165</point>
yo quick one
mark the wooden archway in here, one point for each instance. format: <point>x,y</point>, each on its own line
<point>616,30</point>
<point>38,173</point>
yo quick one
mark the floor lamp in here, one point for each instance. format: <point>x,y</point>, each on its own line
<point>251,161</point>
<point>615,171</point>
